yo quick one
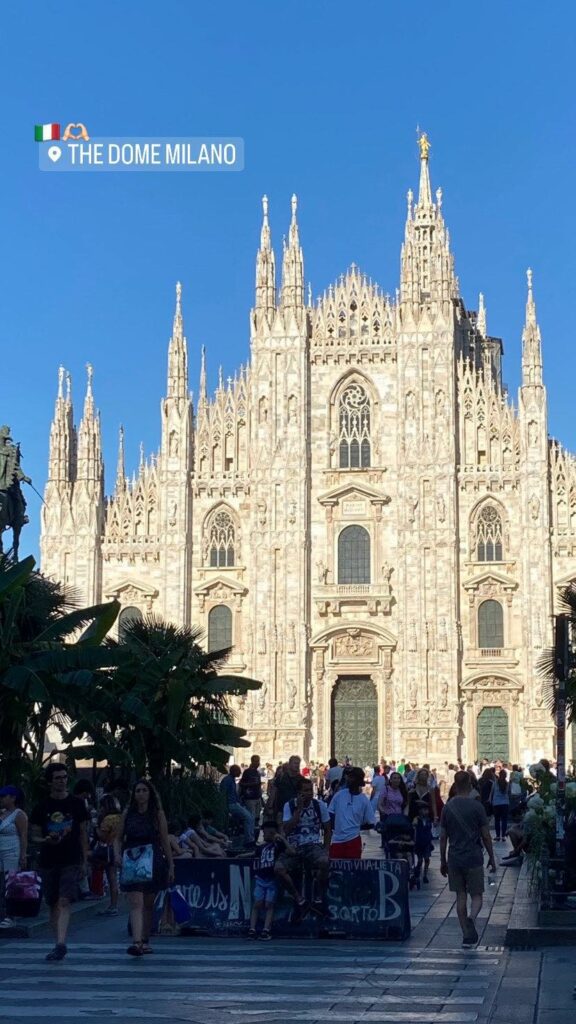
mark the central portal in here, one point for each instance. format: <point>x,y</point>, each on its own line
<point>355,720</point>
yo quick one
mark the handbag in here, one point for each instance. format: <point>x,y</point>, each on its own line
<point>102,853</point>
<point>23,893</point>
<point>137,865</point>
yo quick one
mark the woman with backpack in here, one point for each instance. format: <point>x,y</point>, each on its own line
<point>500,800</point>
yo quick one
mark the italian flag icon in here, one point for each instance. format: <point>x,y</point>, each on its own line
<point>46,132</point>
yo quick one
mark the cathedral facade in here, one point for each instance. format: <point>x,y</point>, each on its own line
<point>362,513</point>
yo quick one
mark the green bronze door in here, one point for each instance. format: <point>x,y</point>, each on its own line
<point>492,734</point>
<point>355,721</point>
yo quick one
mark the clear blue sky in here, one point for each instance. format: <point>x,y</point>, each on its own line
<point>327,95</point>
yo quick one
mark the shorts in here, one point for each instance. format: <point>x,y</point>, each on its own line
<point>265,890</point>
<point>470,880</point>
<point>349,850</point>
<point>61,883</point>
<point>312,855</point>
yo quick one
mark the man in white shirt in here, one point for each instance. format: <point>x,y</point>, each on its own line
<point>350,812</point>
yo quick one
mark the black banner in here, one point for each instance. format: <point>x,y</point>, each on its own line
<point>365,898</point>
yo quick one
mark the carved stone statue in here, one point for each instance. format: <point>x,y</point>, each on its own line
<point>413,693</point>
<point>443,692</point>
<point>322,571</point>
<point>12,503</point>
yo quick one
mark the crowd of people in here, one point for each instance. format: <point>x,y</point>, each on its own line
<point>291,821</point>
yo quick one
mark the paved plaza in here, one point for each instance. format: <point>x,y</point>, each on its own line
<point>429,979</point>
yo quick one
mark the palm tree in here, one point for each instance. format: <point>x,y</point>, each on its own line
<point>48,657</point>
<point>548,663</point>
<point>164,703</point>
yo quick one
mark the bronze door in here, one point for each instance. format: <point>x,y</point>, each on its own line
<point>355,721</point>
<point>492,734</point>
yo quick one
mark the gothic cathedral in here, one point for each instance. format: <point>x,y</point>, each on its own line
<point>362,514</point>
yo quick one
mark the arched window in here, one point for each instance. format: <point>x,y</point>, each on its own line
<point>354,426</point>
<point>126,617</point>
<point>489,535</point>
<point>221,539</point>
<point>490,624</point>
<point>354,555</point>
<point>219,628</point>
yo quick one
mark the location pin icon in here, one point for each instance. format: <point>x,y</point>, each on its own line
<point>54,153</point>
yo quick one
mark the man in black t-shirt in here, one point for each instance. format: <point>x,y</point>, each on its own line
<point>60,828</point>
<point>250,790</point>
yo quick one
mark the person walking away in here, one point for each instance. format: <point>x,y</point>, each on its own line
<point>235,809</point>
<point>423,845</point>
<point>107,831</point>
<point>379,784</point>
<point>500,799</point>
<point>60,827</point>
<point>265,888</point>
<point>144,851</point>
<point>13,839</point>
<point>287,786</point>
<point>333,777</point>
<point>394,799</point>
<point>464,830</point>
<point>485,787</point>
<point>350,812</point>
<point>250,791</point>
<point>306,825</point>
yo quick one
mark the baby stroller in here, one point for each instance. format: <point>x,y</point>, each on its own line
<point>397,833</point>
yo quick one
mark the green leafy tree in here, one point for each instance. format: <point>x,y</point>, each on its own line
<point>49,655</point>
<point>165,703</point>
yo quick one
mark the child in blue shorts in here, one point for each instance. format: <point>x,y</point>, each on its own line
<point>265,888</point>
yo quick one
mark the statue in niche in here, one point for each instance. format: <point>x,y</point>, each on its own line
<point>262,696</point>
<point>322,571</point>
<point>172,512</point>
<point>412,504</point>
<point>413,693</point>
<point>443,692</point>
<point>262,509</point>
<point>534,506</point>
<point>262,638</point>
<point>410,406</point>
<point>532,433</point>
<point>292,512</point>
<point>173,444</point>
<point>440,405</point>
<point>291,694</point>
<point>441,508</point>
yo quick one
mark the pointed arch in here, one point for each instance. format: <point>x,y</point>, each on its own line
<point>220,538</point>
<point>353,404</point>
<point>487,531</point>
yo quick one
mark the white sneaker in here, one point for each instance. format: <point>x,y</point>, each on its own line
<point>8,922</point>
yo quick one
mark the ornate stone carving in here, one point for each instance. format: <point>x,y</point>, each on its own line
<point>353,644</point>
<point>262,638</point>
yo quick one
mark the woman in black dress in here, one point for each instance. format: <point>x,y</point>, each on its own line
<point>143,826</point>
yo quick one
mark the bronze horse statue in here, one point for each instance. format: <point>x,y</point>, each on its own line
<point>12,503</point>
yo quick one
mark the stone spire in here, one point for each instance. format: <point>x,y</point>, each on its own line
<point>62,436</point>
<point>424,192</point>
<point>481,321</point>
<point>265,271</point>
<point>292,293</point>
<point>178,354</point>
<point>427,265</point>
<point>89,437</point>
<point>121,464</point>
<point>531,342</point>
